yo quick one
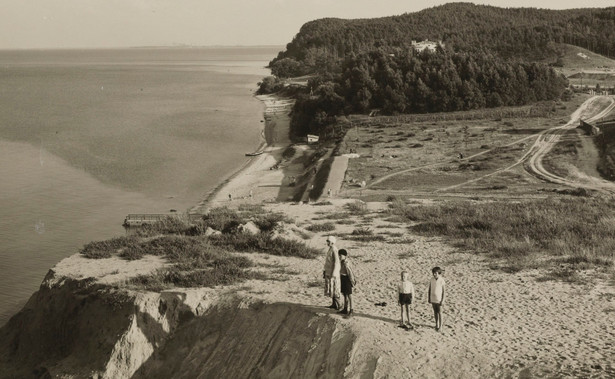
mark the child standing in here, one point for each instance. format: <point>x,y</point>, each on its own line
<point>406,294</point>
<point>435,295</point>
<point>347,280</point>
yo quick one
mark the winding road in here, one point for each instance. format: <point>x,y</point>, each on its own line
<point>547,140</point>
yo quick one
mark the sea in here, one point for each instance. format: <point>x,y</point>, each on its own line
<point>89,136</point>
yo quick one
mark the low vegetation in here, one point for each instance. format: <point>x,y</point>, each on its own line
<point>104,249</point>
<point>197,260</point>
<point>580,231</point>
<point>324,227</point>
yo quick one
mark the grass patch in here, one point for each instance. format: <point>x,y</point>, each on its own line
<point>362,232</point>
<point>578,228</point>
<point>564,274</point>
<point>335,216</point>
<point>223,219</point>
<point>263,242</point>
<point>324,227</point>
<point>195,263</point>
<point>105,249</point>
<point>402,241</point>
<point>365,235</point>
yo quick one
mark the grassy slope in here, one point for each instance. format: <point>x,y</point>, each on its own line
<point>590,70</point>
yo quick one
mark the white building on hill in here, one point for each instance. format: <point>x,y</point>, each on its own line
<point>426,44</point>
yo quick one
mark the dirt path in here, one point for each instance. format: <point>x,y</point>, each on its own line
<point>545,141</point>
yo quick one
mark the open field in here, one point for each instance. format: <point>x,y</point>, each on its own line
<point>423,158</point>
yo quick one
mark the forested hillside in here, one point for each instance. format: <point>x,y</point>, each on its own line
<point>525,33</point>
<point>485,57</point>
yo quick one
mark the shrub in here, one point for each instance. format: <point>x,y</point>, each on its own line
<point>289,152</point>
<point>270,84</point>
<point>357,208</point>
<point>270,221</point>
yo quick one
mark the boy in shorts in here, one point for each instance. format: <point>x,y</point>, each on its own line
<point>435,295</point>
<point>347,280</point>
<point>406,294</point>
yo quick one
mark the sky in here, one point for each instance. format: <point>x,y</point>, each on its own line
<point>28,24</point>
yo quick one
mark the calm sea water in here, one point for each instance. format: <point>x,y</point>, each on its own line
<point>88,136</point>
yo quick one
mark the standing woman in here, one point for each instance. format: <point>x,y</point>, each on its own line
<point>331,273</point>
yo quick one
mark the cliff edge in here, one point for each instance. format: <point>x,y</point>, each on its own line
<point>85,328</point>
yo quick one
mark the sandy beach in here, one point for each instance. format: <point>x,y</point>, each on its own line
<point>264,177</point>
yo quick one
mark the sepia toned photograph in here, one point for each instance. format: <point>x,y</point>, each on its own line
<point>307,189</point>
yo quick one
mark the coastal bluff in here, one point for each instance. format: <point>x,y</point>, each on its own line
<point>88,328</point>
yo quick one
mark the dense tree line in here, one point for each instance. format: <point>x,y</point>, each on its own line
<point>406,81</point>
<point>410,82</point>
<point>506,32</point>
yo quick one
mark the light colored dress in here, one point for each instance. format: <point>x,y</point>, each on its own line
<point>332,274</point>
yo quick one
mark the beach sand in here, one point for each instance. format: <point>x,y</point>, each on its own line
<point>258,176</point>
<point>496,324</point>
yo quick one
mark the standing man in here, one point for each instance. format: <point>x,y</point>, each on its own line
<point>331,273</point>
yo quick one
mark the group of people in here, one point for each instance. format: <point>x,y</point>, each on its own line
<point>340,280</point>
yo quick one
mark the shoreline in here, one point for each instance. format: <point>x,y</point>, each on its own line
<point>245,179</point>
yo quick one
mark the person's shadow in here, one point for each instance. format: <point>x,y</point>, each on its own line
<point>327,310</point>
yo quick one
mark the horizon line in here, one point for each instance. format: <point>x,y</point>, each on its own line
<point>173,46</point>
